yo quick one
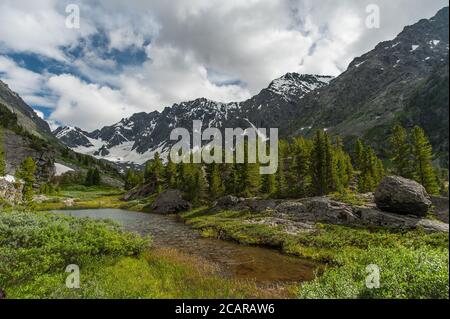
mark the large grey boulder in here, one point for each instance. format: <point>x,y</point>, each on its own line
<point>402,196</point>
<point>168,202</point>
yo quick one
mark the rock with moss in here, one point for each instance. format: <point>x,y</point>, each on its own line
<point>402,196</point>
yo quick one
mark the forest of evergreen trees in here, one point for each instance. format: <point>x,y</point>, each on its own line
<point>307,167</point>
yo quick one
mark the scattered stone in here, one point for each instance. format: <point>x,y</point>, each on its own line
<point>168,202</point>
<point>69,202</point>
<point>301,215</point>
<point>40,198</point>
<point>10,190</point>
<point>403,196</point>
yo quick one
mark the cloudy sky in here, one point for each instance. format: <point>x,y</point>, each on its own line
<point>135,55</point>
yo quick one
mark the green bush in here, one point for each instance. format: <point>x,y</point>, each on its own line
<point>36,243</point>
<point>404,274</point>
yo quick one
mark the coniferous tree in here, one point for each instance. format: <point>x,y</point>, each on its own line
<point>154,173</point>
<point>422,158</point>
<point>232,179</point>
<point>250,179</point>
<point>268,184</point>
<point>2,156</point>
<point>371,171</point>
<point>89,180</point>
<point>171,174</point>
<point>93,177</point>
<point>359,154</point>
<point>216,188</point>
<point>323,165</point>
<point>301,167</point>
<point>400,152</point>
<point>26,173</point>
<point>132,179</point>
<point>96,178</point>
<point>195,183</point>
<point>281,185</point>
<point>345,170</point>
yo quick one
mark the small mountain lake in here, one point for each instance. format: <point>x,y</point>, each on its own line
<point>237,261</point>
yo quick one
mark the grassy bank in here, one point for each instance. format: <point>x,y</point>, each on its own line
<point>412,264</point>
<point>35,249</point>
<point>82,197</point>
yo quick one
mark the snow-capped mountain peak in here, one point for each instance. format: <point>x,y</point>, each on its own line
<point>136,139</point>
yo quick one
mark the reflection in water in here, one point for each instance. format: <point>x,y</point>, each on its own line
<point>244,262</point>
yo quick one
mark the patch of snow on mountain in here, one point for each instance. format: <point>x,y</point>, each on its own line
<point>60,169</point>
<point>66,130</point>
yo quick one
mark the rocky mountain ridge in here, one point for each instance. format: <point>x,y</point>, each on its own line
<point>378,89</point>
<point>136,139</point>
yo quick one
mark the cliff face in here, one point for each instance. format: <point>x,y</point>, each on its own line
<point>18,148</point>
<point>26,117</point>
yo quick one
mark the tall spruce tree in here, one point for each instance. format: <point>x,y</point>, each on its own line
<point>281,184</point>
<point>323,165</point>
<point>26,173</point>
<point>171,174</point>
<point>371,171</point>
<point>154,173</point>
<point>132,179</point>
<point>250,178</point>
<point>231,179</point>
<point>215,185</point>
<point>422,158</point>
<point>301,160</point>
<point>400,152</point>
<point>345,170</point>
<point>359,154</point>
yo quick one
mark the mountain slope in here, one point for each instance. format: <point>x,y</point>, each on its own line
<point>392,83</point>
<point>26,116</point>
<point>377,87</point>
<point>137,138</point>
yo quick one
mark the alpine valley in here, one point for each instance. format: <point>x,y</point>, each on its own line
<point>403,80</point>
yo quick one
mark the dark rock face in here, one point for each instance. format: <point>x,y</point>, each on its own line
<point>140,191</point>
<point>72,137</point>
<point>18,148</point>
<point>168,202</point>
<point>26,116</point>
<point>362,100</point>
<point>402,196</point>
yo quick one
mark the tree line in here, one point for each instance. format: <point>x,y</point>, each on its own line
<point>306,167</point>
